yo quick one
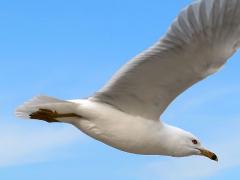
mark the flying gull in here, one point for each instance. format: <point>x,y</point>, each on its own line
<point>125,112</point>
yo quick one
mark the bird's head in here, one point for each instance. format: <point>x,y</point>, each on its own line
<point>183,143</point>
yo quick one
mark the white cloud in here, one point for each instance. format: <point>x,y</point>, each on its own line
<point>20,145</point>
<point>226,145</point>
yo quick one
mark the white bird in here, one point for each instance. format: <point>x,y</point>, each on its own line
<point>125,112</point>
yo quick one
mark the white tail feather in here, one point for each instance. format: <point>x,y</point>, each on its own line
<point>44,102</point>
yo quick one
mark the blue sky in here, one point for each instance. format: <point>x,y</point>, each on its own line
<point>69,49</point>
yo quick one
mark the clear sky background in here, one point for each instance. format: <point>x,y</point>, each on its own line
<point>69,49</point>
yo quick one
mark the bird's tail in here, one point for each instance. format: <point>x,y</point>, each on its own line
<point>46,108</point>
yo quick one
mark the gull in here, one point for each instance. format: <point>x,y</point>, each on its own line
<point>125,113</point>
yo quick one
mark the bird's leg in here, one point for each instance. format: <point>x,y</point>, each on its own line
<point>51,116</point>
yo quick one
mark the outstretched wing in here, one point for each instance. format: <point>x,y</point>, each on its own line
<point>198,43</point>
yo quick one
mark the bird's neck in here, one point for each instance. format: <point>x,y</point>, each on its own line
<point>168,136</point>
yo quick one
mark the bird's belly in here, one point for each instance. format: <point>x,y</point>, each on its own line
<point>128,134</point>
<point>118,129</point>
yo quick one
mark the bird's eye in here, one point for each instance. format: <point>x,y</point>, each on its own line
<point>194,141</point>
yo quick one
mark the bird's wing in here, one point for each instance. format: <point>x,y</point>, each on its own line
<point>198,43</point>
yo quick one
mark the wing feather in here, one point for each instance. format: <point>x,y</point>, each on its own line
<point>198,43</point>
